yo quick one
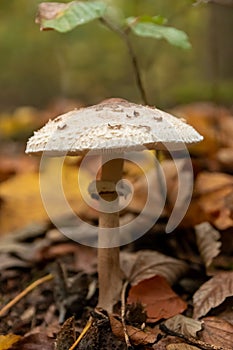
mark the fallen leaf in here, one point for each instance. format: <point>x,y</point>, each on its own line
<point>21,197</point>
<point>136,335</point>
<point>24,242</point>
<point>226,130</point>
<point>36,341</point>
<point>7,261</point>
<point>225,157</point>
<point>211,192</point>
<point>159,300</point>
<point>164,342</point>
<point>22,203</point>
<point>7,340</point>
<point>218,332</point>
<point>207,182</point>
<point>208,119</point>
<point>184,325</point>
<point>212,293</point>
<point>147,263</point>
<point>207,241</point>
<point>181,346</point>
<point>10,166</point>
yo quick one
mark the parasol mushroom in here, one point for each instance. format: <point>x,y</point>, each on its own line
<point>109,129</point>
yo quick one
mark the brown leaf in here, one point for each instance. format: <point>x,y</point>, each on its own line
<point>181,346</point>
<point>13,165</point>
<point>164,342</point>
<point>207,242</point>
<point>7,340</point>
<point>204,117</point>
<point>212,293</point>
<point>184,325</point>
<point>7,261</point>
<point>225,158</point>
<point>145,264</point>
<point>157,297</point>
<point>36,341</point>
<point>217,332</point>
<point>211,192</point>
<point>137,336</point>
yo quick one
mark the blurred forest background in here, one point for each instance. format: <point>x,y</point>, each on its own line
<point>91,63</point>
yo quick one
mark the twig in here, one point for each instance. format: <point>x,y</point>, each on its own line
<point>84,331</point>
<point>123,292</point>
<point>192,341</point>
<point>132,55</point>
<point>27,290</point>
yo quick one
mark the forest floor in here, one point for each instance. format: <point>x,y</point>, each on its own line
<point>178,291</point>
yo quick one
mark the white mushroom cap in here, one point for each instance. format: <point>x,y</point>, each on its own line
<point>115,125</point>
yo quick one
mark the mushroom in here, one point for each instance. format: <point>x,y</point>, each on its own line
<point>109,129</point>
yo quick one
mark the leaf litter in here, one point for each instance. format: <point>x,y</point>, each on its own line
<point>168,276</point>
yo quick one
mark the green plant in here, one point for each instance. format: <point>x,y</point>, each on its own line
<point>64,17</point>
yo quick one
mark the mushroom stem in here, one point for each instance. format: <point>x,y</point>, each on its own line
<point>110,274</point>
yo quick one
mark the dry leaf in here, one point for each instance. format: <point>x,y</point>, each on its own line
<point>22,201</point>
<point>36,341</point>
<point>207,242</point>
<point>7,340</point>
<point>159,300</point>
<point>164,342</point>
<point>211,193</point>
<point>204,117</point>
<point>184,325</point>
<point>7,262</point>
<point>226,130</point>
<point>147,263</point>
<point>10,166</point>
<point>212,293</point>
<point>137,336</point>
<point>218,332</point>
<point>181,346</point>
<point>225,158</point>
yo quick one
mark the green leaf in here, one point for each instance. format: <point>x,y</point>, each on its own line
<point>151,29</point>
<point>153,19</point>
<point>64,17</point>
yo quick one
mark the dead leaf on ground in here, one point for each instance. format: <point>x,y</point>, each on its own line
<point>34,342</point>
<point>7,340</point>
<point>8,261</point>
<point>164,342</point>
<point>159,300</point>
<point>184,325</point>
<point>207,241</point>
<point>22,203</point>
<point>147,263</point>
<point>10,165</point>
<point>212,293</point>
<point>218,332</point>
<point>181,346</point>
<point>136,335</point>
<point>211,193</point>
<point>225,157</point>
<point>21,197</point>
<point>204,117</point>
<point>226,130</point>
